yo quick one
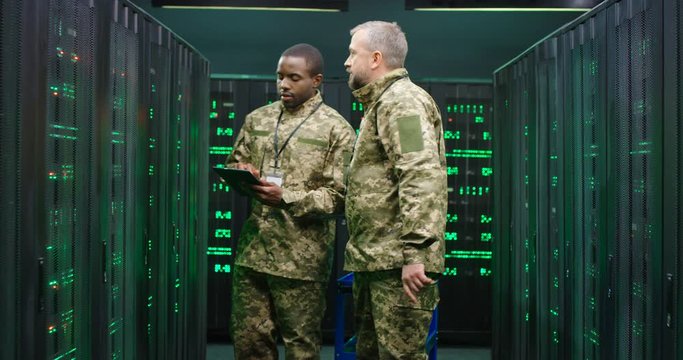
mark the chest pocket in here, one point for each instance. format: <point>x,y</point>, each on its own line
<point>262,147</point>
<point>309,150</point>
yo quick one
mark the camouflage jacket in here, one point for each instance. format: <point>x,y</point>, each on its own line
<point>396,190</point>
<point>295,241</point>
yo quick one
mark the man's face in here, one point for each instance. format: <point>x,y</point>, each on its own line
<point>294,81</point>
<point>359,61</point>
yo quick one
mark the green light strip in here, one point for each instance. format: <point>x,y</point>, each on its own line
<point>470,153</point>
<point>464,254</point>
<point>219,251</point>
<point>65,354</point>
<point>220,150</point>
<point>64,127</point>
<point>66,137</point>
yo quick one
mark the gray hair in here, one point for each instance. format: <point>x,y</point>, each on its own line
<point>388,39</point>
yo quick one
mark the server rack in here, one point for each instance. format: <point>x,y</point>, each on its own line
<point>603,271</point>
<point>92,90</point>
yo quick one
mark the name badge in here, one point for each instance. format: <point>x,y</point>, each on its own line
<point>274,176</point>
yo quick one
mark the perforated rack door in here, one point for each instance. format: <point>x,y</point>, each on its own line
<point>70,166</point>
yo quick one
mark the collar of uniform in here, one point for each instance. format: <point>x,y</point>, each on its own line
<point>305,108</point>
<point>370,92</point>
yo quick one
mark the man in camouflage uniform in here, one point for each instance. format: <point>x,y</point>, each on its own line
<point>396,199</point>
<point>297,147</point>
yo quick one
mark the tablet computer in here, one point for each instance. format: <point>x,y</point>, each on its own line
<point>237,178</point>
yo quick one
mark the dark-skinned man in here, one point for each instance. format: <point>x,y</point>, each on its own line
<point>297,147</point>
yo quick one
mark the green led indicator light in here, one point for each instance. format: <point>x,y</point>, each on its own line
<point>474,190</point>
<point>486,219</point>
<point>213,115</point>
<point>451,218</point>
<point>231,115</point>
<point>484,272</point>
<point>227,215</point>
<point>213,105</point>
<point>452,170</point>
<point>486,171</point>
<point>451,135</point>
<point>486,237</point>
<point>478,119</point>
<point>216,187</point>
<point>222,233</point>
<point>450,272</point>
<point>223,131</point>
<point>221,268</point>
<point>486,135</point>
<point>451,236</point>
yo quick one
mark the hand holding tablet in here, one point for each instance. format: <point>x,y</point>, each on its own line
<point>238,178</point>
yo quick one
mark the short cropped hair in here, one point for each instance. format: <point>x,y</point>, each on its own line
<point>387,38</point>
<point>313,57</point>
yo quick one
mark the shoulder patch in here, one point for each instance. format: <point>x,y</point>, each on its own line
<point>410,133</point>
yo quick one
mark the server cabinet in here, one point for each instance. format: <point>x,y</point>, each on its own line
<point>70,164</point>
<point>87,98</point>
<point>467,119</point>
<point>672,302</point>
<point>634,31</point>
<point>583,80</point>
<point>603,109</point>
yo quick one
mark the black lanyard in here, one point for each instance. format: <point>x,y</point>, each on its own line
<point>277,126</point>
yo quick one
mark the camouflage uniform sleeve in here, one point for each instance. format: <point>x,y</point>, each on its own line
<point>406,128</point>
<point>327,200</point>
<point>241,152</point>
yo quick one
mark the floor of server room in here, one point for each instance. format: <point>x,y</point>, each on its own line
<point>224,352</point>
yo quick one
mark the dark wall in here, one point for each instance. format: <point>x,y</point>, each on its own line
<point>455,45</point>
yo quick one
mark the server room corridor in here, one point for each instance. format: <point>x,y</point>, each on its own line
<point>561,129</point>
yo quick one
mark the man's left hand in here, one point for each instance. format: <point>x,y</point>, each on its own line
<point>414,278</point>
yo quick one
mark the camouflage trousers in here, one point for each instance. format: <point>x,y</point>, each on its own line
<point>388,324</point>
<point>263,305</point>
